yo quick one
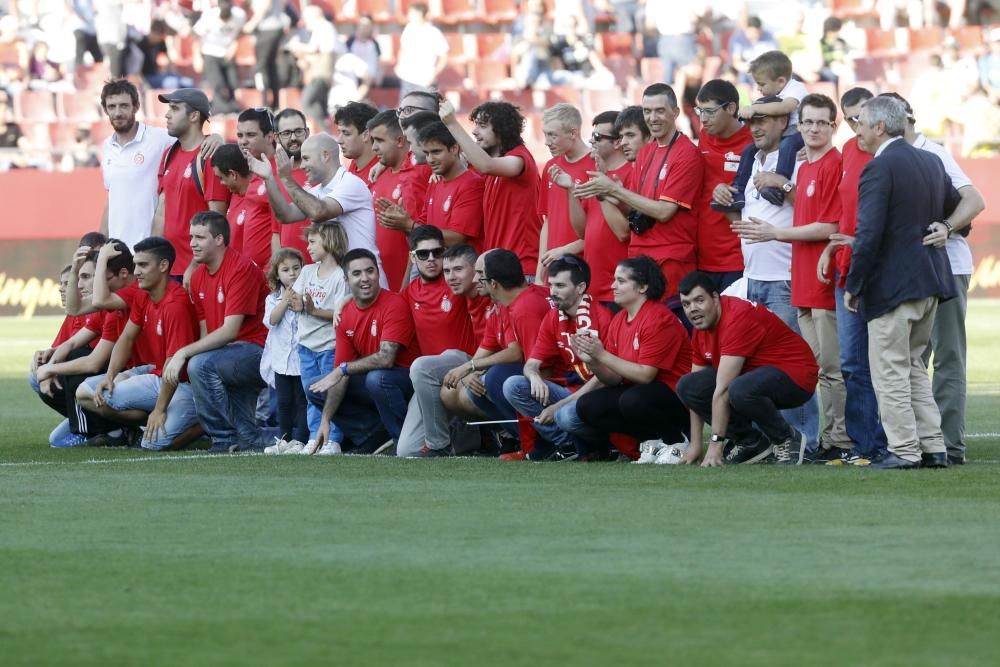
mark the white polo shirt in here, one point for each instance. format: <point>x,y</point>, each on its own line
<point>771,260</point>
<point>959,253</point>
<point>131,179</point>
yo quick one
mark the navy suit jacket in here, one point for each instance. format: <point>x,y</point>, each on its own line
<point>901,193</point>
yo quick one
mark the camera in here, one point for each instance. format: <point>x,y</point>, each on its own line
<point>640,222</point>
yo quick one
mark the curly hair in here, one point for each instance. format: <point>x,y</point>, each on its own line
<point>507,122</point>
<point>272,273</point>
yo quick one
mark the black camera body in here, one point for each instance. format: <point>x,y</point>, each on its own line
<point>640,222</point>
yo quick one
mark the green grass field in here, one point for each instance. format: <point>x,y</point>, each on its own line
<point>112,557</point>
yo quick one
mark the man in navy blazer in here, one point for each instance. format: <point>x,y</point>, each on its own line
<point>896,280</point>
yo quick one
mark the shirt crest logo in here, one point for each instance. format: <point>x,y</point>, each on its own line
<point>397,192</point>
<point>261,189</point>
<point>187,171</point>
<point>159,327</point>
<point>811,190</point>
<point>139,159</point>
<point>240,217</point>
<point>447,204</point>
<point>220,297</point>
<point>445,304</point>
<point>374,329</point>
<point>663,173</point>
<point>635,342</point>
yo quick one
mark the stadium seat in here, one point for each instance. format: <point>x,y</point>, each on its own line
<point>489,74</point>
<point>384,98</point>
<point>493,45</point>
<point>852,9</point>
<point>452,77</point>
<point>62,134</point>
<point>458,11</point>
<point>380,10</point>
<point>622,67</point>
<point>616,44</point>
<point>35,106</point>
<point>522,99</point>
<point>651,70</point>
<point>926,39</point>
<point>246,55</point>
<point>457,50</point>
<point>93,77</point>
<point>100,131</point>
<point>248,98</point>
<point>562,94</point>
<point>290,98</point>
<point>78,107</point>
<point>596,101</point>
<point>880,42</point>
<point>499,11</point>
<point>870,69</point>
<point>969,37</point>
<point>155,109</point>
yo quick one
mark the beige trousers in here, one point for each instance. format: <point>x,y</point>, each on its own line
<point>896,343</point>
<point>819,328</point>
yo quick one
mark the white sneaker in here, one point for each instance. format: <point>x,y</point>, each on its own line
<point>296,447</point>
<point>330,449</point>
<point>671,454</point>
<point>649,450</point>
<point>276,448</point>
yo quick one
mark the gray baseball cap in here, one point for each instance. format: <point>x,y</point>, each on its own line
<point>194,98</point>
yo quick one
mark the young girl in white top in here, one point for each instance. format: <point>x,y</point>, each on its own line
<point>321,286</point>
<point>281,357</point>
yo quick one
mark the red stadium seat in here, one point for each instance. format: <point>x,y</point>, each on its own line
<point>522,99</point>
<point>290,98</point>
<point>458,11</point>
<point>562,94</point>
<point>248,98</point>
<point>596,101</point>
<point>154,108</point>
<point>623,69</point>
<point>245,53</point>
<point>870,69</point>
<point>489,74</point>
<point>617,44</point>
<point>969,37</point>
<point>926,39</point>
<point>493,45</point>
<point>651,70</point>
<point>384,98</point>
<point>78,107</point>
<point>452,77</point>
<point>852,9</point>
<point>880,42</point>
<point>380,10</point>
<point>500,11</point>
<point>35,106</point>
<point>457,51</point>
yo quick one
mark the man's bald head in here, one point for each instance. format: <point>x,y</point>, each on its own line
<point>320,157</point>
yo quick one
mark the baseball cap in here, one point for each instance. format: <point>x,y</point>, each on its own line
<point>767,99</point>
<point>193,97</point>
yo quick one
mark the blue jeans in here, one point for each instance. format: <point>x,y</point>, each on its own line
<point>864,426</point>
<point>494,404</point>
<point>675,51</point>
<point>568,431</point>
<point>314,366</point>
<point>375,404</point>
<point>777,296</point>
<point>140,392</point>
<point>226,383</point>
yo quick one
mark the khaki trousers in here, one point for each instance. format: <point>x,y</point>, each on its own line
<point>819,328</point>
<point>896,343</point>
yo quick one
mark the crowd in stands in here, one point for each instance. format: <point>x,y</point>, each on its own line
<point>321,54</point>
<point>416,283</point>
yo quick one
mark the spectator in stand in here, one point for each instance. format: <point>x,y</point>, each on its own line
<point>747,365</point>
<point>837,61</point>
<point>228,291</point>
<point>639,361</point>
<point>292,132</point>
<point>904,194</point>
<point>353,138</point>
<point>551,401</point>
<point>363,45</point>
<point>84,31</point>
<point>748,44</point>
<point>577,62</point>
<point>455,198</point>
<point>661,194</point>
<point>676,27</point>
<point>989,67</point>
<point>497,152</point>
<point>82,152</point>
<point>112,32</point>
<point>314,49</point>
<point>219,29</point>
<point>562,126</point>
<point>351,81</point>
<point>369,388</point>
<point>423,52</point>
<point>722,142</point>
<point>268,23</point>
<point>530,58</point>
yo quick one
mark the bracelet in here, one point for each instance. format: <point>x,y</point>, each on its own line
<point>472,362</point>
<point>948,226</point>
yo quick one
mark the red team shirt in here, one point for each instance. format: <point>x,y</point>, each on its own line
<point>751,331</point>
<point>510,218</point>
<point>519,322</point>
<point>116,320</point>
<point>603,250</point>
<point>182,200</point>
<point>291,233</point>
<point>363,172</point>
<point>678,181</point>
<point>554,344</point>
<point>251,223</point>
<point>238,287</point>
<point>817,199</point>
<point>440,317</point>
<point>718,248</point>
<point>361,331</point>
<point>70,326</point>
<point>553,201</point>
<point>457,206</point>
<point>408,188</point>
<point>480,310</point>
<point>654,337</point>
<point>167,326</point>
<point>853,161</point>
<point>94,322</point>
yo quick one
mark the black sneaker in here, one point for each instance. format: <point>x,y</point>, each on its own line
<point>428,453</point>
<point>553,454</point>
<point>790,451</point>
<point>735,207</point>
<point>748,452</point>
<point>825,456</point>
<point>773,195</point>
<point>108,440</point>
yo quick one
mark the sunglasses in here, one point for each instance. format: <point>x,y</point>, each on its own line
<point>426,253</point>
<point>270,118</point>
<point>597,137</point>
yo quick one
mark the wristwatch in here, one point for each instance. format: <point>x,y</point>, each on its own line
<point>947,224</point>
<point>343,368</point>
<point>787,187</point>
<point>717,439</point>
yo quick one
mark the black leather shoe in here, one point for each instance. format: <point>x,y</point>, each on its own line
<point>893,462</point>
<point>935,460</point>
<point>956,459</point>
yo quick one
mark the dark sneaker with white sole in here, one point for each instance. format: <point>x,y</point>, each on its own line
<point>790,451</point>
<point>747,453</point>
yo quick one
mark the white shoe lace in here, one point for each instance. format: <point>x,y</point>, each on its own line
<point>783,452</point>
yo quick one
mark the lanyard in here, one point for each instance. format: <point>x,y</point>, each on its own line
<point>656,184</point>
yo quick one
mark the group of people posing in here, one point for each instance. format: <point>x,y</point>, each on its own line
<point>438,293</point>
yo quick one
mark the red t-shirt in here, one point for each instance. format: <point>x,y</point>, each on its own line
<point>678,181</point>
<point>510,218</point>
<point>751,331</point>
<point>554,344</point>
<point>135,297</point>
<point>440,317</point>
<point>291,232</point>
<point>95,322</point>
<point>238,287</point>
<point>363,172</point>
<point>251,223</point>
<point>816,200</point>
<point>167,326</point>
<point>70,325</point>
<point>603,250</point>
<point>718,248</point>
<point>408,188</point>
<point>520,321</point>
<point>553,201</point>
<point>361,332</point>
<point>654,337</point>
<point>853,162</point>
<point>480,310</point>
<point>457,206</point>
<point>182,200</point>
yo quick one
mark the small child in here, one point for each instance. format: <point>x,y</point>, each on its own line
<point>321,286</point>
<point>781,94</point>
<point>281,350</point>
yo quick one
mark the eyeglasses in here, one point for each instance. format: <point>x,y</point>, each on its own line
<point>854,119</point>
<point>406,111</point>
<point>298,133</point>
<point>597,137</point>
<point>426,253</point>
<point>821,124</point>
<point>708,111</point>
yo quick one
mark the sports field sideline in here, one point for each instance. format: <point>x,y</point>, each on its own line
<point>111,557</point>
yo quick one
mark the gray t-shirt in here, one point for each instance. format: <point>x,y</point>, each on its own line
<point>326,292</point>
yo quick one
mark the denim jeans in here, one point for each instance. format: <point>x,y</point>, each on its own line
<point>226,383</point>
<point>314,366</point>
<point>291,407</point>
<point>777,296</point>
<point>494,403</point>
<point>373,408</point>
<point>140,392</point>
<point>864,425</point>
<point>568,431</point>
